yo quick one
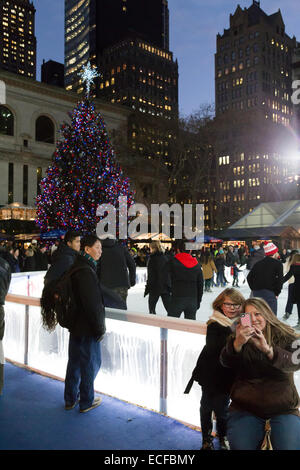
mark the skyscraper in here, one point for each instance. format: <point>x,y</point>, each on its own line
<point>93,25</point>
<point>52,72</point>
<point>253,87</point>
<point>128,41</point>
<point>17,38</point>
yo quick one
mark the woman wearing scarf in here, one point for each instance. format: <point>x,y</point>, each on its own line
<point>214,379</point>
<point>264,355</point>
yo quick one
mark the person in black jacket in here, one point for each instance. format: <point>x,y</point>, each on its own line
<point>257,255</point>
<point>266,277</point>
<point>214,379</point>
<point>186,283</point>
<point>11,256</point>
<point>64,257</point>
<point>295,291</point>
<point>87,330</point>
<point>157,284</point>
<point>29,261</point>
<point>41,258</point>
<point>116,268</point>
<point>5,278</point>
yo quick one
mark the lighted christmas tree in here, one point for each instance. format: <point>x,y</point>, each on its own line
<point>83,174</point>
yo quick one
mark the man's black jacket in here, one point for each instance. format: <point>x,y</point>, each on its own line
<point>116,267</point>
<point>88,310</point>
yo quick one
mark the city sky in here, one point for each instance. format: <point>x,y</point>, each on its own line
<point>194,25</point>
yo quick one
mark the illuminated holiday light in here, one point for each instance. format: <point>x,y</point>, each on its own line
<point>88,75</point>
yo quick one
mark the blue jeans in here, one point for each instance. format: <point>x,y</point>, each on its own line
<point>83,366</point>
<point>268,296</point>
<point>246,431</point>
<point>221,278</point>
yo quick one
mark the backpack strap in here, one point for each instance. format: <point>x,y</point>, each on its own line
<point>189,386</point>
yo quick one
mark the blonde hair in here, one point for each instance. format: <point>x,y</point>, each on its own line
<point>156,246</point>
<point>276,332</point>
<point>295,258</point>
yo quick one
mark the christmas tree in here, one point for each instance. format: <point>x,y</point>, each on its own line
<point>83,174</point>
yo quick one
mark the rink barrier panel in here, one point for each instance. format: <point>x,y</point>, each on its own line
<point>164,323</point>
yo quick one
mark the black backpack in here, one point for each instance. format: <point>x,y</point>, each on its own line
<point>58,302</point>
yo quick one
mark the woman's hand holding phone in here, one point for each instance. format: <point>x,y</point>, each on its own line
<point>243,334</point>
<point>259,340</point>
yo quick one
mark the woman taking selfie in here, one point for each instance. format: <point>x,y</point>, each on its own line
<point>264,353</point>
<point>210,374</point>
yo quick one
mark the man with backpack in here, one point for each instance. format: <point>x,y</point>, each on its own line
<point>64,256</point>
<point>87,328</point>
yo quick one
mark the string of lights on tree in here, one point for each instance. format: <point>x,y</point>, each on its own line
<point>83,174</point>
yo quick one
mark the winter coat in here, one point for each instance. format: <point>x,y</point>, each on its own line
<point>65,257</point>
<point>116,267</point>
<point>231,258</point>
<point>157,282</point>
<point>41,261</point>
<point>294,272</point>
<point>29,263</point>
<point>12,261</point>
<point>88,309</point>
<point>220,263</point>
<point>5,278</point>
<point>186,277</point>
<point>262,387</point>
<point>266,274</point>
<point>209,269</point>
<point>209,372</point>
<point>256,256</point>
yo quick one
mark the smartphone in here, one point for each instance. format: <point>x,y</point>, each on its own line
<point>246,319</point>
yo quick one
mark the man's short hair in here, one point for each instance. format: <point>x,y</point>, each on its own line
<point>180,246</point>
<point>89,240</point>
<point>70,236</point>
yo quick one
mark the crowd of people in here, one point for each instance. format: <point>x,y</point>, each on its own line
<point>245,369</point>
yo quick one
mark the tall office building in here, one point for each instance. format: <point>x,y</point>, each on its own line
<point>128,41</point>
<point>93,25</point>
<point>17,38</point>
<point>52,72</point>
<point>253,87</point>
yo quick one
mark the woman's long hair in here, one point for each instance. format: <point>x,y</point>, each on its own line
<point>276,332</point>
<point>295,258</point>
<point>49,318</point>
<point>205,257</point>
<point>155,245</point>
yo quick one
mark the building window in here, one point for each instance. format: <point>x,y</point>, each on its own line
<point>38,180</point>
<point>44,130</point>
<point>6,121</point>
<point>25,184</point>
<point>10,183</point>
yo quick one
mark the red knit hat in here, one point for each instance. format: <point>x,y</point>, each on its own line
<point>270,249</point>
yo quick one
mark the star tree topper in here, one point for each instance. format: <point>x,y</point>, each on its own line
<point>88,74</point>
